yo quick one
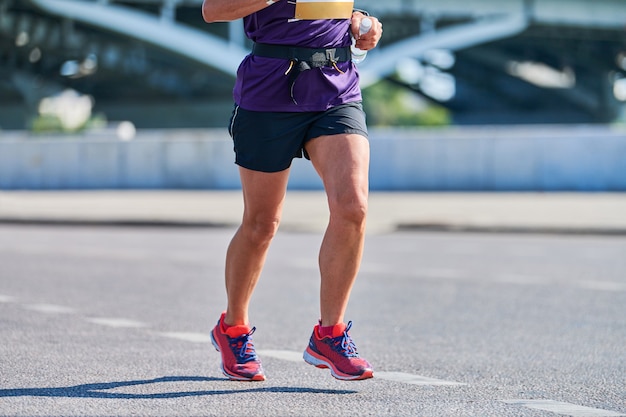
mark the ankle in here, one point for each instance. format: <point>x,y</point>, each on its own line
<point>233,330</point>
<point>331,331</point>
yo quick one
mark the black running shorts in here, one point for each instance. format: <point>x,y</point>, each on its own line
<point>268,141</point>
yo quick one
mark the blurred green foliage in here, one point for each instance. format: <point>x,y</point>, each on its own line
<point>388,104</point>
<point>53,124</point>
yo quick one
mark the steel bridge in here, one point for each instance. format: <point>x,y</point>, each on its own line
<point>157,63</point>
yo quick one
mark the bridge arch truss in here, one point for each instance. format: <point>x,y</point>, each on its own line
<point>157,57</point>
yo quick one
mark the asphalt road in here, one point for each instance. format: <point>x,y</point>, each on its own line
<point>107,321</point>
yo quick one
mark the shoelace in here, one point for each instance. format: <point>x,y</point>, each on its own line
<point>344,344</point>
<point>245,346</point>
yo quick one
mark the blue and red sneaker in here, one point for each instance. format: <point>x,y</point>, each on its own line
<point>339,354</point>
<point>239,360</point>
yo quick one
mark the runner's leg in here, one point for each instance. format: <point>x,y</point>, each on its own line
<point>263,195</point>
<point>342,161</point>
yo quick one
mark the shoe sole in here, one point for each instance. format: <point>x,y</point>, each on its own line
<point>234,377</point>
<point>319,361</point>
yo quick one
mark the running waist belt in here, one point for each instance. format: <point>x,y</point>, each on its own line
<point>302,59</point>
<point>315,57</point>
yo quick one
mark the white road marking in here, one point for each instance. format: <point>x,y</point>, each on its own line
<point>188,336</point>
<point>116,322</point>
<point>49,308</point>
<point>564,408</point>
<point>286,355</point>
<point>521,279</point>
<point>292,356</point>
<point>7,299</point>
<point>412,379</point>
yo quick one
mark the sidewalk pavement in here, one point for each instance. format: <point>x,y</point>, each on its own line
<point>582,213</point>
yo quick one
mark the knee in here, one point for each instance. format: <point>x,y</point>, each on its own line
<point>260,230</point>
<point>351,210</point>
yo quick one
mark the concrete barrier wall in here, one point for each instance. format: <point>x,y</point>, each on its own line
<point>513,158</point>
<point>542,158</point>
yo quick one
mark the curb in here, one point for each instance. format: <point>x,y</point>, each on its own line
<point>293,228</point>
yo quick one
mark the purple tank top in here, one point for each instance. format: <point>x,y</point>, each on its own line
<point>261,83</point>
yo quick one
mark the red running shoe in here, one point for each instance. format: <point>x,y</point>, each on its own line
<point>339,354</point>
<point>239,360</point>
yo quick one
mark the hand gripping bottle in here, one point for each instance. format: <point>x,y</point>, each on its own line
<point>358,55</point>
